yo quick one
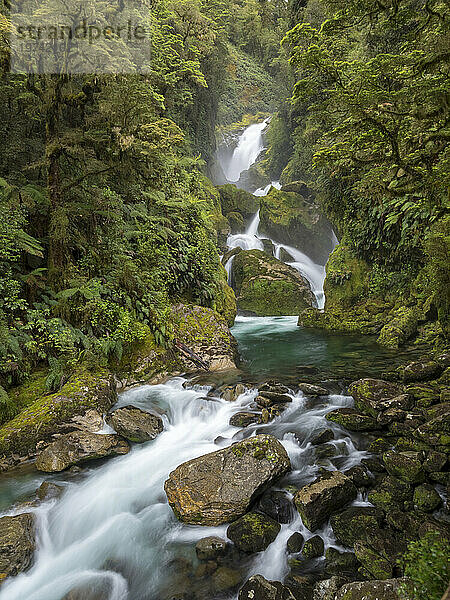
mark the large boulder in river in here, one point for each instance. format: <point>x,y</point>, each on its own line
<point>318,500</point>
<point>17,544</point>
<point>219,487</point>
<point>135,424</point>
<point>266,286</point>
<point>44,416</point>
<point>289,218</point>
<point>78,447</point>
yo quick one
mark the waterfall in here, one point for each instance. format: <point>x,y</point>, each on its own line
<point>249,147</point>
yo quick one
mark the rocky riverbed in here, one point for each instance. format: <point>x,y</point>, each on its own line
<point>288,491</point>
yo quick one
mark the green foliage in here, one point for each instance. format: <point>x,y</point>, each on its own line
<point>426,564</point>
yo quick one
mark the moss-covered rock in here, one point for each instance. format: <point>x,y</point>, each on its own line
<point>401,326</point>
<point>378,555</point>
<point>372,590</point>
<point>421,370</point>
<point>25,394</point>
<point>206,333</point>
<point>253,532</point>
<point>426,498</point>
<point>41,419</point>
<point>267,287</point>
<point>406,466</point>
<point>289,217</point>
<point>436,431</point>
<point>234,200</point>
<point>318,500</point>
<point>341,563</point>
<point>134,424</point>
<point>313,548</point>
<point>390,493</point>
<point>356,523</point>
<point>352,419</point>
<point>371,394</point>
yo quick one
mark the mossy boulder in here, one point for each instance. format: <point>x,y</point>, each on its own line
<point>352,419</point>
<point>356,523</point>
<point>206,333</point>
<point>17,544</point>
<point>406,466</point>
<point>372,590</point>
<point>341,563</point>
<point>318,500</point>
<point>426,498</point>
<point>313,548</point>
<point>421,370</point>
<point>277,505</point>
<point>401,326</point>
<point>371,394</point>
<point>390,494</point>
<point>292,219</point>
<point>210,548</point>
<point>237,201</point>
<point>43,418</point>
<point>219,487</point>
<point>378,554</point>
<point>135,424</point>
<point>267,287</point>
<point>25,394</point>
<point>253,532</point>
<point>436,430</point>
<point>295,543</point>
<point>79,447</point>
<point>245,419</point>
<point>259,588</point>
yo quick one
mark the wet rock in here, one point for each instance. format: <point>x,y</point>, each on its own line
<point>424,395</point>
<point>210,548</point>
<point>225,579</point>
<point>436,431</point>
<point>391,493</point>
<point>359,475</point>
<point>17,544</point>
<point>352,420</point>
<point>404,465</point>
<point>268,287</point>
<point>371,590</point>
<point>218,488</point>
<point>403,402</point>
<point>421,371</point>
<point>379,446</point>
<point>233,393</point>
<point>258,588</point>
<point>327,589</point>
<point>341,563</point>
<point>312,390</point>
<point>277,505</point>
<point>49,490</point>
<point>318,500</point>
<point>408,523</point>
<point>426,498</point>
<point>77,447</point>
<point>322,437</point>
<point>326,451</point>
<point>273,386</point>
<point>269,398</point>
<point>356,523</point>
<point>435,461</point>
<point>244,419</point>
<point>205,569</point>
<point>135,424</point>
<point>313,548</point>
<point>253,532</point>
<point>295,543</point>
<point>369,393</point>
<point>379,553</point>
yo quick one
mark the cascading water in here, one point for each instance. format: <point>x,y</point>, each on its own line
<point>249,147</point>
<point>114,532</point>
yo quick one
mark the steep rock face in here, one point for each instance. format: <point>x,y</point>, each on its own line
<point>17,544</point>
<point>219,487</point>
<point>135,424</point>
<point>78,447</point>
<point>318,500</point>
<point>41,419</point>
<point>267,287</point>
<point>289,217</point>
<point>206,333</point>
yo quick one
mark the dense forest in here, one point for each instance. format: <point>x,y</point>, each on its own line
<point>116,268</point>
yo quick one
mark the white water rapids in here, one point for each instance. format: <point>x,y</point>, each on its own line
<point>115,533</point>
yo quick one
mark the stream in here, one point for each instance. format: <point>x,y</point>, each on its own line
<point>112,535</point>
